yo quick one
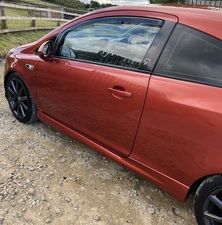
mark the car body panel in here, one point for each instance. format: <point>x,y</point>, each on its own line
<point>83,90</point>
<point>167,130</point>
<point>179,121</point>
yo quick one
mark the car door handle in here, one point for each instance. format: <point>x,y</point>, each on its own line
<point>120,93</point>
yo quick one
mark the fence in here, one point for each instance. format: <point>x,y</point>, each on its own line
<point>213,3</point>
<point>36,14</point>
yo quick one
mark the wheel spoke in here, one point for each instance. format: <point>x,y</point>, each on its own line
<point>22,110</point>
<point>11,91</point>
<point>14,106</point>
<point>24,105</point>
<point>216,201</point>
<point>17,86</point>
<point>213,217</point>
<point>11,99</point>
<point>20,91</point>
<point>13,87</point>
<point>23,98</point>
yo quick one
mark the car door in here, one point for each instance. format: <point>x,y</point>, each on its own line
<point>96,84</point>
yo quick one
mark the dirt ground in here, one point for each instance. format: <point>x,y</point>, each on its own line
<point>48,178</point>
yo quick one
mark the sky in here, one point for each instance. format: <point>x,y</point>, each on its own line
<point>120,2</point>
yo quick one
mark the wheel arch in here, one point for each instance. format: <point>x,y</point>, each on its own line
<point>7,76</point>
<point>194,187</point>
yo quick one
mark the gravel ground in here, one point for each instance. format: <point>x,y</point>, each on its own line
<point>48,178</point>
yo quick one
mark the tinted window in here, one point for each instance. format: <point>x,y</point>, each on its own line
<point>117,41</point>
<point>192,55</point>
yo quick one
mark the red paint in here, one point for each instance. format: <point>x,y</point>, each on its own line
<point>166,130</point>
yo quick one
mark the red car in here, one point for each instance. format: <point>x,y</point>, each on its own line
<point>141,85</point>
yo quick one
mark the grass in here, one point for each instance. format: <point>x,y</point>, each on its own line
<point>42,23</point>
<point>16,24</point>
<point>40,2</point>
<point>9,41</point>
<point>16,12</point>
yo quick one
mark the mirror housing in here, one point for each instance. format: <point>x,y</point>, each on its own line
<point>45,51</point>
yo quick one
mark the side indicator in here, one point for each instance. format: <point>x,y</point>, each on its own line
<point>29,66</point>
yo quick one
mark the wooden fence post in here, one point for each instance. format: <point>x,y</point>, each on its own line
<point>33,24</point>
<point>59,16</point>
<point>4,21</point>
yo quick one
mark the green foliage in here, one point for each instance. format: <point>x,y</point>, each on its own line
<point>106,5</point>
<point>14,1</point>
<point>95,4</point>
<point>68,3</point>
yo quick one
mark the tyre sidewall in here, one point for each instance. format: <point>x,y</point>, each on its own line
<point>205,189</point>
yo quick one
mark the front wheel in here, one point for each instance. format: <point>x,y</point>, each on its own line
<point>20,100</point>
<point>208,201</point>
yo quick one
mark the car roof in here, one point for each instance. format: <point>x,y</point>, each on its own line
<point>207,19</point>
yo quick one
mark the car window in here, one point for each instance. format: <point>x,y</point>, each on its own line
<point>116,41</point>
<point>193,56</point>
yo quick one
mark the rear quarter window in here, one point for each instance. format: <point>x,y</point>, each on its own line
<point>193,56</point>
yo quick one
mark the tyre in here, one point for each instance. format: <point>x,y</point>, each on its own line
<point>208,201</point>
<point>20,100</point>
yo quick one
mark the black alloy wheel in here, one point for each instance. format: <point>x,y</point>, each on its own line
<point>208,201</point>
<point>20,100</point>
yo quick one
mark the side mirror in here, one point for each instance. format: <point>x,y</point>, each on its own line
<point>45,51</point>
